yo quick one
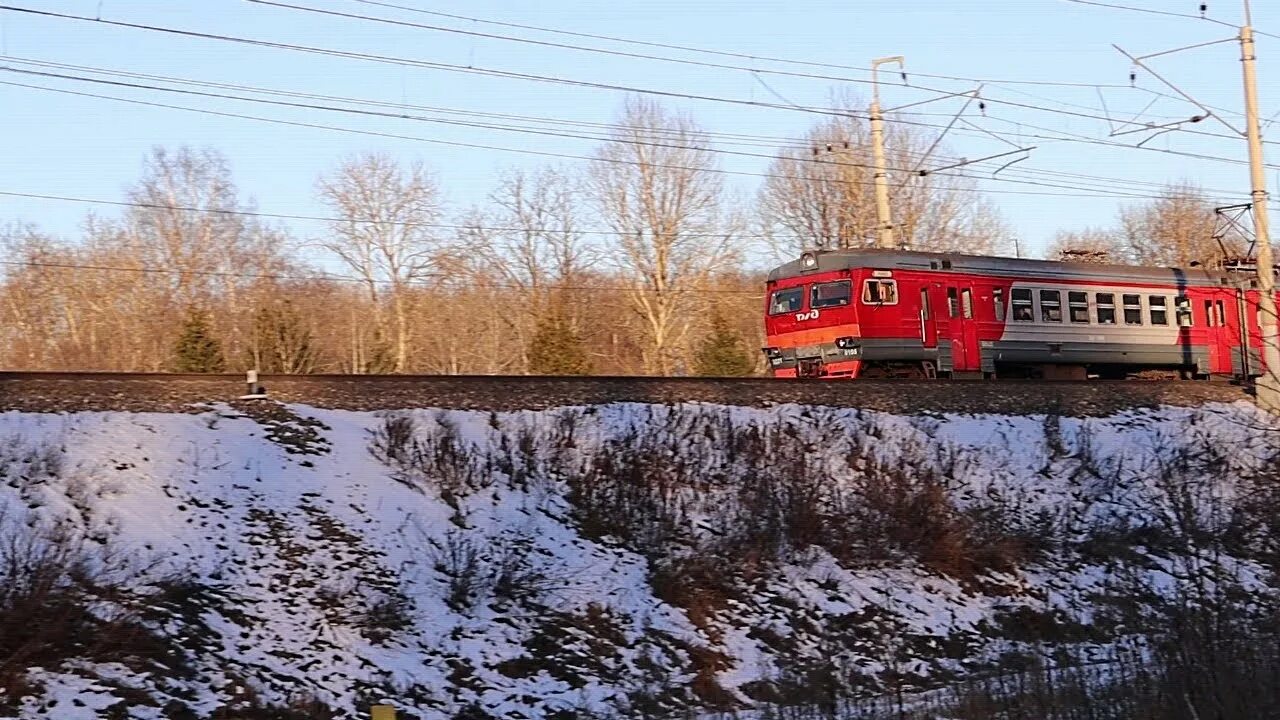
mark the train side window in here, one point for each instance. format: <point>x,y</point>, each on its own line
<point>924,303</point>
<point>966,303</point>
<point>1079,302</point>
<point>880,292</point>
<point>952,303</point>
<point>786,301</point>
<point>1106,308</point>
<point>1183,306</point>
<point>1222,314</point>
<point>1209,318</point>
<point>1132,309</point>
<point>997,296</point>
<point>1159,311</point>
<point>1051,305</point>
<point>832,294</point>
<point>1022,311</point>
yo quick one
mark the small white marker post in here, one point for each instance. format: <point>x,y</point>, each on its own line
<point>255,391</point>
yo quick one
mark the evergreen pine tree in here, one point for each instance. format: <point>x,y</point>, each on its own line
<point>197,350</point>
<point>721,353</point>
<point>556,349</point>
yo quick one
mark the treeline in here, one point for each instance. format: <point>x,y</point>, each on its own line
<point>638,261</point>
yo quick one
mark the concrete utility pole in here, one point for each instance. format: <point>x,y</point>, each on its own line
<point>1268,386</point>
<point>884,219</point>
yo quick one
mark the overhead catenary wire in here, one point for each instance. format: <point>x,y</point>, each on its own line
<point>531,77</point>
<point>329,277</point>
<point>1166,13</point>
<point>547,153</point>
<point>727,53</point>
<point>786,104</point>
<point>400,116</point>
<point>603,128</point>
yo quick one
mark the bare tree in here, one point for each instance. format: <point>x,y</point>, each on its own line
<point>116,299</point>
<point>385,236</point>
<point>823,192</point>
<point>655,184</point>
<point>531,244</point>
<point>1174,230</point>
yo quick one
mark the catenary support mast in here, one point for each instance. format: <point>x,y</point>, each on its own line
<point>1268,386</point>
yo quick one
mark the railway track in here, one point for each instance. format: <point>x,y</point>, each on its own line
<point>163,392</point>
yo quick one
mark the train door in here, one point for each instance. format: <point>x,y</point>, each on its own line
<point>962,328</point>
<point>1218,321</point>
<point>928,321</point>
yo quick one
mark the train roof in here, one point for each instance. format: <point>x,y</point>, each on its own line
<point>829,260</point>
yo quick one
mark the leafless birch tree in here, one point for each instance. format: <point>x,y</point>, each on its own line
<point>654,184</point>
<point>1174,230</point>
<point>385,236</point>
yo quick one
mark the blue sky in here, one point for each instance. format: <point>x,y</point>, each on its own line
<point>67,145</point>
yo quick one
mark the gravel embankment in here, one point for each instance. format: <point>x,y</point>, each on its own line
<point>70,392</point>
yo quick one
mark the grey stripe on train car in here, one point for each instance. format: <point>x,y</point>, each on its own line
<point>1080,353</point>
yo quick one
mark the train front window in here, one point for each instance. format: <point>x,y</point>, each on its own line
<point>832,294</point>
<point>1051,305</point>
<point>1106,308</point>
<point>1022,311</point>
<point>786,301</point>
<point>880,292</point>
<point>1079,302</point>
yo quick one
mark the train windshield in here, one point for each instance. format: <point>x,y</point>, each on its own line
<point>832,294</point>
<point>785,301</point>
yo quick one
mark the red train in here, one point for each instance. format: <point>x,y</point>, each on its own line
<point>888,313</point>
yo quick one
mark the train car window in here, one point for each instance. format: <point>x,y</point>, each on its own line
<point>1079,302</point>
<point>1022,311</point>
<point>1159,311</point>
<point>997,296</point>
<point>1183,305</point>
<point>952,303</point>
<point>832,294</point>
<point>966,303</point>
<point>1106,308</point>
<point>1132,309</point>
<point>1051,305</point>
<point>786,301</point>
<point>1222,314</point>
<point>924,303</point>
<point>880,292</point>
<point>1209,317</point>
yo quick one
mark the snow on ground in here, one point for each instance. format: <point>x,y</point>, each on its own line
<point>332,575</point>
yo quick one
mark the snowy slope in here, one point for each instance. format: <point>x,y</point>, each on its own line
<point>334,573</point>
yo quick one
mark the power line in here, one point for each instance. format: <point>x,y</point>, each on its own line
<point>468,69</point>
<point>326,277</point>
<point>772,141</point>
<point>790,105</point>
<point>726,53</point>
<point>332,219</point>
<point>1168,13</point>
<point>311,106</point>
<point>545,153</point>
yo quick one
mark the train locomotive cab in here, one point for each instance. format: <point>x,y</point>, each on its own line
<point>824,322</point>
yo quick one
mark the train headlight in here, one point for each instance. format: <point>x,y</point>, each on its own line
<point>772,352</point>
<point>808,261</point>
<point>846,343</point>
